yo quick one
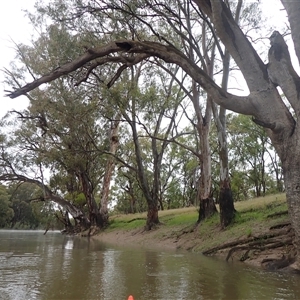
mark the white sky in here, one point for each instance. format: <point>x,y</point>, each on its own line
<point>14,25</point>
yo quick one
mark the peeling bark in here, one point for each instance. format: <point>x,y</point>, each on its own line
<point>207,209</point>
<point>110,165</point>
<point>227,210</point>
<point>152,217</point>
<point>292,179</point>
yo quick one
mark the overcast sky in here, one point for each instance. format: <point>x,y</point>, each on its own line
<point>14,25</point>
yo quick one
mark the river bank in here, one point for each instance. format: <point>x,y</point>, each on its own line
<point>260,236</point>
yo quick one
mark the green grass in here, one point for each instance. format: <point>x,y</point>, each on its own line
<point>252,219</point>
<point>188,218</point>
<point>126,224</point>
<point>248,212</point>
<point>259,214</point>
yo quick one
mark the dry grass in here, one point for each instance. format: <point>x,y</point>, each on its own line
<point>161,213</point>
<point>260,202</point>
<point>252,209</point>
<point>241,206</point>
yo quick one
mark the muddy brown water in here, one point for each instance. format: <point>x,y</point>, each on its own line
<point>34,266</point>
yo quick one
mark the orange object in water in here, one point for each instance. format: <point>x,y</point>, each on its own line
<point>130,298</point>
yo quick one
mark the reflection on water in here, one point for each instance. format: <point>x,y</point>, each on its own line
<point>34,266</point>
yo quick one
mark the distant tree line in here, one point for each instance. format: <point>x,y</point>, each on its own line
<point>22,207</point>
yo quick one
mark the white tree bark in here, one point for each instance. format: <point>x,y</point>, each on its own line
<point>293,10</point>
<point>110,165</point>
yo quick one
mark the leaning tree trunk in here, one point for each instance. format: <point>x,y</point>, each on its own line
<point>152,202</point>
<point>78,215</point>
<point>94,214</point>
<point>282,73</point>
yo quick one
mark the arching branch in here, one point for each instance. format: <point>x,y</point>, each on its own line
<point>133,52</point>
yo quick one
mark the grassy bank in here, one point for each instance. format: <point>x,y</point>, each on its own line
<point>249,213</point>
<point>254,237</point>
<point>253,217</point>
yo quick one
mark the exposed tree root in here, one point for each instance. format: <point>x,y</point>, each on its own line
<point>259,238</point>
<point>136,219</point>
<point>278,214</point>
<point>280,236</point>
<point>275,264</point>
<point>281,225</point>
<point>272,245</point>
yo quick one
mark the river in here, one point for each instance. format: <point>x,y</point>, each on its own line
<point>53,266</point>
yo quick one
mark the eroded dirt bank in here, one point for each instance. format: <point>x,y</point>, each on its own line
<point>265,247</point>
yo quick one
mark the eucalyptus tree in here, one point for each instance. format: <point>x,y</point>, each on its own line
<point>179,171</point>
<point>65,130</point>
<point>225,197</point>
<point>149,105</point>
<point>264,103</point>
<point>162,116</point>
<point>200,48</point>
<point>113,135</point>
<point>59,143</point>
<point>183,169</point>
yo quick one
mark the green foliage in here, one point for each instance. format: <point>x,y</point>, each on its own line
<point>77,198</point>
<point>21,209</point>
<point>80,200</point>
<point>252,159</point>
<point>6,212</point>
<point>63,129</point>
<point>29,212</point>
